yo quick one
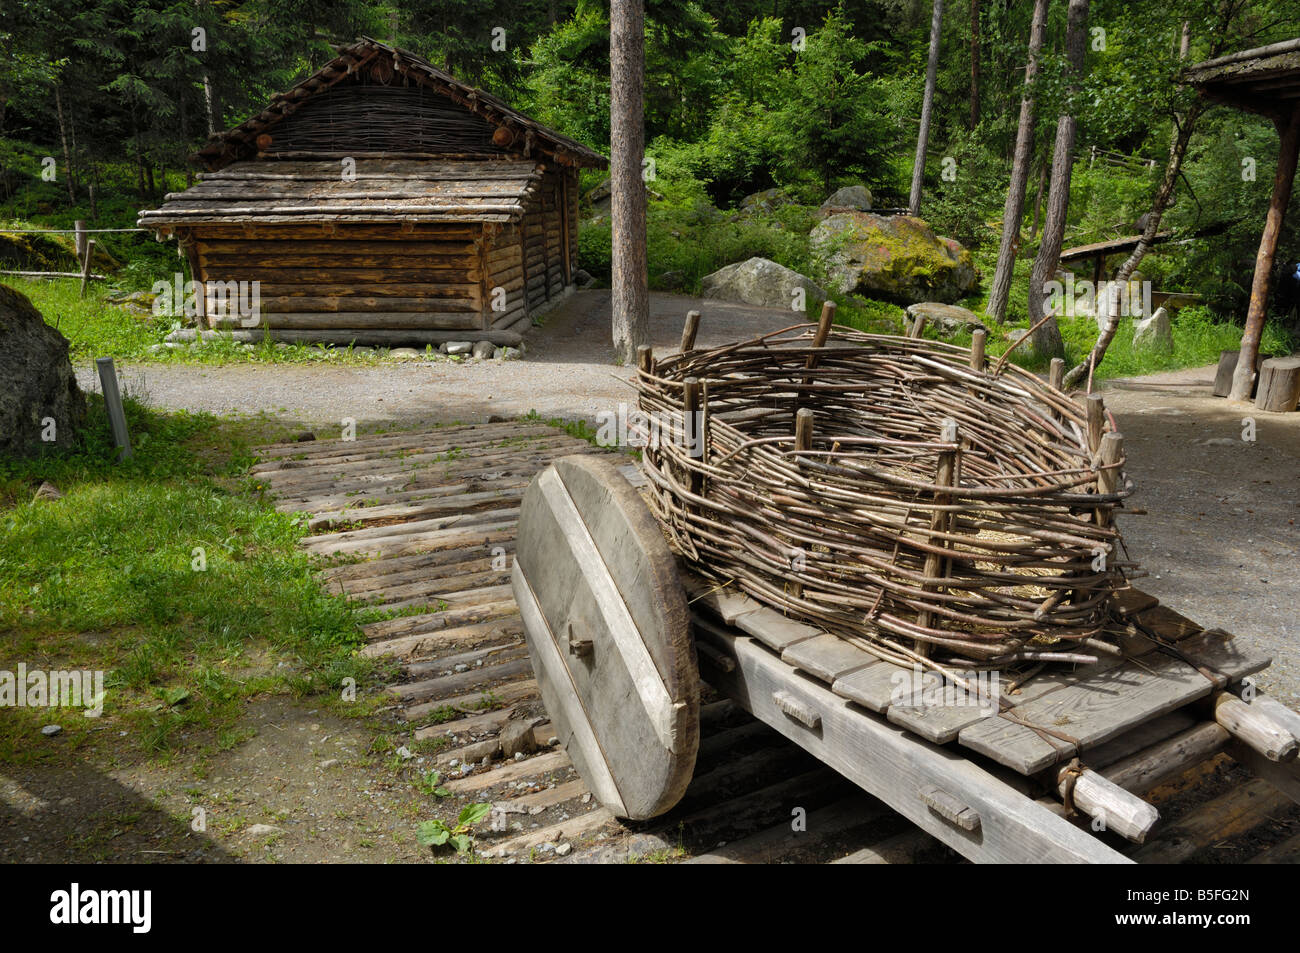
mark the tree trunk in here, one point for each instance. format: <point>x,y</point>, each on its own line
<point>1283,180</point>
<point>1038,199</point>
<point>974,63</point>
<point>207,103</point>
<point>927,104</point>
<point>1014,209</point>
<point>67,155</point>
<point>1047,338</point>
<point>1106,304</point>
<point>630,292</point>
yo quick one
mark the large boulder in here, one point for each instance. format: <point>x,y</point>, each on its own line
<point>1154,334</point>
<point>40,403</point>
<point>766,201</point>
<point>947,319</point>
<point>851,198</point>
<point>761,283</point>
<point>895,257</point>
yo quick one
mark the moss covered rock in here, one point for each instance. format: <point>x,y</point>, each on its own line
<point>897,258</point>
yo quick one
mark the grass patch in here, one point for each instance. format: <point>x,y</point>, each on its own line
<point>160,571</point>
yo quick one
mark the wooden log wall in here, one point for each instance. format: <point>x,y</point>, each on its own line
<point>506,271</point>
<point>347,276</point>
<point>543,240</point>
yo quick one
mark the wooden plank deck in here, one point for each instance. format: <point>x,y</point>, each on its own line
<point>455,630</point>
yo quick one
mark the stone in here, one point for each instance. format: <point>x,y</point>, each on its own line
<point>894,257</point>
<point>563,850</point>
<point>263,830</point>
<point>1154,334</point>
<point>405,354</point>
<point>305,437</point>
<point>483,349</point>
<point>47,491</point>
<point>460,347</point>
<point>40,403</point>
<point>583,278</point>
<point>853,198</point>
<point>517,739</point>
<point>49,731</point>
<point>946,319</point>
<point>761,283</point>
<point>509,354</point>
<point>766,201</point>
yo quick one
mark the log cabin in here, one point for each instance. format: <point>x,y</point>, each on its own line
<point>380,201</point>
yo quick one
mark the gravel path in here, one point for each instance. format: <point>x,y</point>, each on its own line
<point>1219,537</point>
<point>569,372</point>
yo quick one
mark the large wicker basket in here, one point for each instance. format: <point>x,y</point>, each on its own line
<point>929,507</point>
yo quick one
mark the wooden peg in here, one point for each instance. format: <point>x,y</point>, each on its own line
<point>824,325</point>
<point>1096,408</point>
<point>689,330</point>
<point>1056,373</point>
<point>803,429</point>
<point>977,343</point>
<point>1112,449</point>
<point>645,359</point>
<point>941,520</point>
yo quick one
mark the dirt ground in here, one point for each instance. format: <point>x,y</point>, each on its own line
<point>1214,524</point>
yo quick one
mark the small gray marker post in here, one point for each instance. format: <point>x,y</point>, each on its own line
<point>113,401</point>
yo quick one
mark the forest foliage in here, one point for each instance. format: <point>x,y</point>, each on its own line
<point>741,96</point>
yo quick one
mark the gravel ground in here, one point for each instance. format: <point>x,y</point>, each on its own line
<point>1219,537</point>
<point>569,372</point>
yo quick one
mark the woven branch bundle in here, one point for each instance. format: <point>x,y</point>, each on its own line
<point>859,533</point>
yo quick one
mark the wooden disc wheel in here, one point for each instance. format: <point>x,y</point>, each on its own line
<point>609,635</point>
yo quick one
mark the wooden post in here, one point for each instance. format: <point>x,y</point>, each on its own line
<point>1096,408</point>
<point>940,520</point>
<point>820,337</point>
<point>645,360</point>
<point>977,343</point>
<point>1279,385</point>
<point>689,330</point>
<point>917,326</point>
<point>85,265</point>
<point>1223,375</point>
<point>1112,449</point>
<point>1244,376</point>
<point>1056,373</point>
<point>79,237</point>
<point>803,429</point>
<point>692,429</point>
<point>113,402</point>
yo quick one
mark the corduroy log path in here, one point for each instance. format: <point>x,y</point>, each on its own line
<point>430,515</point>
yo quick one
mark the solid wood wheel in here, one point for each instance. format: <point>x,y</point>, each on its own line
<point>609,635</point>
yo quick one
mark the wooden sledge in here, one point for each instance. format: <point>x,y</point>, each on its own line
<point>619,635</point>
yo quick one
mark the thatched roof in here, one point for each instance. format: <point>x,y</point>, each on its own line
<point>384,63</point>
<point>382,190</point>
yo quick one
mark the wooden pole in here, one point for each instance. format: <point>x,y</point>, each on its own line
<point>1243,377</point>
<point>1096,408</point>
<point>689,330</point>
<point>630,294</point>
<point>803,429</point>
<point>113,403</point>
<point>940,520</point>
<point>79,237</point>
<point>85,265</point>
<point>977,344</point>
<point>1254,727</point>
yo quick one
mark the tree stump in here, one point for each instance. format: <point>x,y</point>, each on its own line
<point>1223,376</point>
<point>1279,385</point>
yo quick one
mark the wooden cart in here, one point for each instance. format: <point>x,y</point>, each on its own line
<point>620,634</point>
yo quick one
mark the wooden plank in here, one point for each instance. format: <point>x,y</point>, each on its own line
<point>872,687</point>
<point>1093,710</point>
<point>826,657</point>
<point>535,766</point>
<point>892,765</point>
<point>1238,811</point>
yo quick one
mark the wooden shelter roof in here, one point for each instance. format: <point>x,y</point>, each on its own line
<point>1265,80</point>
<point>383,190</point>
<point>387,62</point>
<point>1113,246</point>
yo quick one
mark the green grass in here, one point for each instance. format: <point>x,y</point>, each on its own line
<point>104,579</point>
